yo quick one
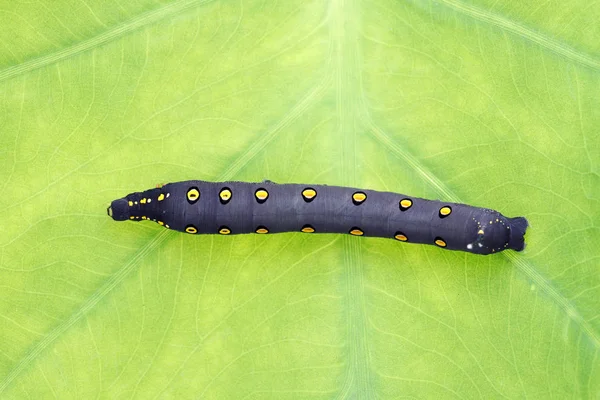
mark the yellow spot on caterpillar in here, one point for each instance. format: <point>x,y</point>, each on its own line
<point>191,229</point>
<point>130,203</point>
<point>225,195</point>
<point>167,226</point>
<point>308,194</point>
<point>405,204</point>
<point>261,195</point>
<point>143,217</point>
<point>224,231</point>
<point>308,229</point>
<point>440,242</point>
<point>262,229</point>
<point>161,197</point>
<point>400,237</point>
<point>480,232</point>
<point>162,223</point>
<point>358,198</point>
<point>356,232</point>
<point>132,217</point>
<point>193,195</point>
<point>445,211</point>
<point>143,201</point>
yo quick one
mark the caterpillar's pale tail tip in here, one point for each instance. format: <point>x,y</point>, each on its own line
<point>518,226</point>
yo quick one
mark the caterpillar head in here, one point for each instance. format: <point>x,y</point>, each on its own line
<point>118,210</point>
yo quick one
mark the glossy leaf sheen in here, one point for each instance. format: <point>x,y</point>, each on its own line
<point>490,103</point>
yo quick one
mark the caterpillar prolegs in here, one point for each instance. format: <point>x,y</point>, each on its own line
<point>228,208</point>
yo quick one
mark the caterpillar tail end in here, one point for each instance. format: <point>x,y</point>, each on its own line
<point>118,210</point>
<point>518,226</point>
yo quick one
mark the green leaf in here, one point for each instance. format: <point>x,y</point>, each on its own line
<point>489,103</point>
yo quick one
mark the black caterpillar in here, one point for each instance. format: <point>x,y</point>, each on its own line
<point>229,208</point>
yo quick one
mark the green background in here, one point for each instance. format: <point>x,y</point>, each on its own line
<point>491,103</point>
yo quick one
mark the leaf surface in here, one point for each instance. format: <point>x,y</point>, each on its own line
<point>493,104</point>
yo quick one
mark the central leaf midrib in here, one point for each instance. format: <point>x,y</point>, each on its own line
<point>344,19</point>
